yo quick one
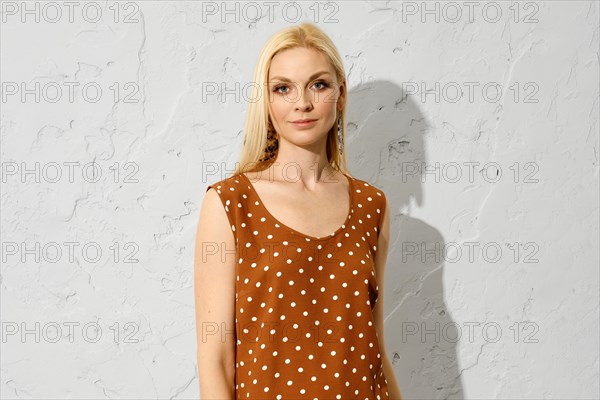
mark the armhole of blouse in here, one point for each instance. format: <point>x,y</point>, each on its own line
<point>228,213</point>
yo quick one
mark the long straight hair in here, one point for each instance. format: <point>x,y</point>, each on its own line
<point>253,150</point>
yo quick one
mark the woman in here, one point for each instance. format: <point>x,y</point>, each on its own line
<point>289,292</point>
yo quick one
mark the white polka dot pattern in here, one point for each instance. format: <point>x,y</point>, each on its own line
<point>304,321</point>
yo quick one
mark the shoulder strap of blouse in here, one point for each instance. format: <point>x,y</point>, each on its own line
<point>231,192</point>
<point>369,207</point>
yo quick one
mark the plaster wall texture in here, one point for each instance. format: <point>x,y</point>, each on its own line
<point>481,128</point>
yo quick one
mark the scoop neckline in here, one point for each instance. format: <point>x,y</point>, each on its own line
<point>304,235</point>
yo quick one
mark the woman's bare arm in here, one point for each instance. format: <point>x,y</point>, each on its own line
<point>380,263</point>
<point>214,289</point>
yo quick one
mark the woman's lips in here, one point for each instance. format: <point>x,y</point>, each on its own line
<point>305,123</point>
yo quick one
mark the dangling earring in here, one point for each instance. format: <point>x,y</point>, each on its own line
<point>340,135</point>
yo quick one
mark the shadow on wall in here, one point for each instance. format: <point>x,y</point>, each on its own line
<point>385,137</point>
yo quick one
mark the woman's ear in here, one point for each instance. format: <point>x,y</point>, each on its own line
<point>342,96</point>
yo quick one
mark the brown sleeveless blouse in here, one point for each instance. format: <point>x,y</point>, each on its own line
<point>303,305</point>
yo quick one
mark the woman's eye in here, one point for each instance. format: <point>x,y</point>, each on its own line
<point>322,83</point>
<point>276,89</point>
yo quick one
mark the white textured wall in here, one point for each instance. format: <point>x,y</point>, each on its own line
<point>525,300</point>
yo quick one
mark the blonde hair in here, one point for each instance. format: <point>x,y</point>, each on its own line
<point>253,150</point>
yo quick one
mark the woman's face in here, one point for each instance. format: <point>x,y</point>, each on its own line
<point>302,85</point>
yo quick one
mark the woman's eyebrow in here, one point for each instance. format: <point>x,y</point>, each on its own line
<point>313,76</point>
